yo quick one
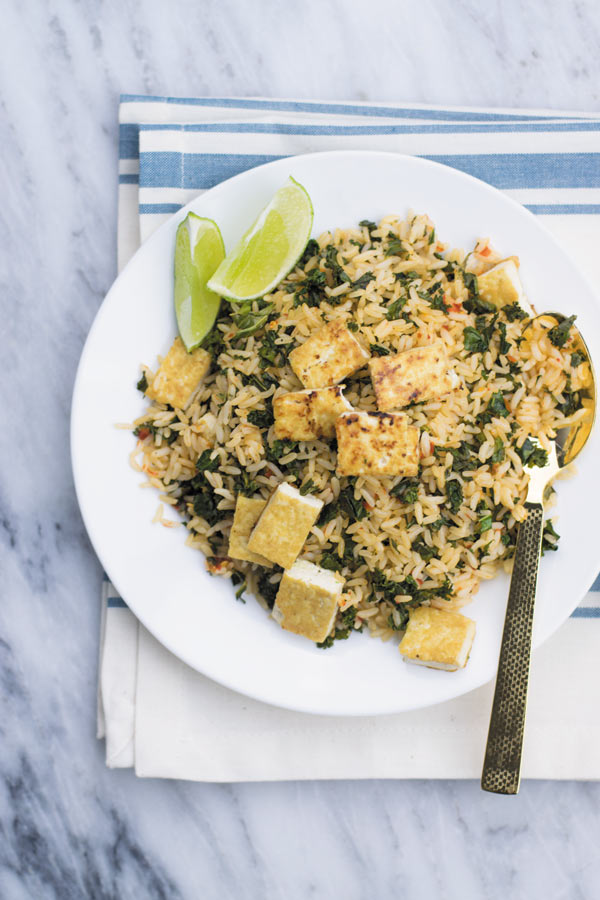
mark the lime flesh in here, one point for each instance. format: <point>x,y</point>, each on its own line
<point>270,248</point>
<point>199,250</point>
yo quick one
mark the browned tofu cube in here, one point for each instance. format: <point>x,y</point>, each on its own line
<point>437,638</point>
<point>308,415</point>
<point>179,376</point>
<point>413,376</point>
<point>248,511</point>
<point>376,444</point>
<point>283,527</point>
<point>307,600</point>
<point>328,356</point>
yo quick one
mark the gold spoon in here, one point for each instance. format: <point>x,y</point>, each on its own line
<point>502,765</point>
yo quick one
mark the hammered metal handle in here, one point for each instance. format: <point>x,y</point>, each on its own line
<point>502,765</point>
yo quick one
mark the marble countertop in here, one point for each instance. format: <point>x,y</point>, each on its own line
<point>69,828</point>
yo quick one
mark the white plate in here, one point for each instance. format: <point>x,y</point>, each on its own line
<point>165,583</point>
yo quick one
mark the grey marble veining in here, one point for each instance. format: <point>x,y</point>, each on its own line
<point>68,827</point>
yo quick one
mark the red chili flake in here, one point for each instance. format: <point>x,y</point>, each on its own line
<point>143,433</point>
<point>485,252</point>
<point>419,581</point>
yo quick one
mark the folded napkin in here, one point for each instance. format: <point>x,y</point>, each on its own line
<point>167,720</point>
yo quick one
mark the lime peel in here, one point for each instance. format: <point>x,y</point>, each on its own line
<point>199,250</point>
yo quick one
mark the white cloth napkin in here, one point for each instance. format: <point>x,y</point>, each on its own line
<point>167,720</point>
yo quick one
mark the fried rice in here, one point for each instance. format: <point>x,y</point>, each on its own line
<point>398,542</point>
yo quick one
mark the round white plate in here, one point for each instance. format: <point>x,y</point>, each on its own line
<point>165,583</point>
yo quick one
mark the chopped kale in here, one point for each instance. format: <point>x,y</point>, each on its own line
<point>379,350</point>
<point>532,455</point>
<point>142,431</point>
<point>576,359</point>
<point>559,334</point>
<point>395,248</point>
<point>485,521</point>
<point>238,578</point>
<point>265,381</point>
<point>407,490</point>
<point>205,505</point>
<point>311,290</point>
<point>370,226</point>
<point>206,463</point>
<point>496,408</point>
<point>346,505</point>
<point>505,345</point>
<point>454,494</point>
<point>245,484</point>
<point>431,236</point>
<point>474,303</point>
<point>424,550</point>
<point>343,630</point>
<point>214,342</point>
<point>463,458</point>
<point>435,298</point>
<point>572,401</point>
<point>499,453</point>
<point>280,448</point>
<point>262,418</point>
<point>311,249</point>
<point>249,321</point>
<point>352,325</point>
<point>405,278</point>
<point>309,487</point>
<point>334,561</point>
<point>513,312</point>
<point>363,281</point>
<point>395,308</point>
<point>142,383</point>
<point>267,590</point>
<point>475,341</point>
<point>550,537</point>
<point>337,271</point>
<point>408,587</point>
<point>271,353</point>
<point>435,526</point>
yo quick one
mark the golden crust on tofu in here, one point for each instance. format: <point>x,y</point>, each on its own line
<point>328,356</point>
<point>413,376</point>
<point>501,286</point>
<point>179,376</point>
<point>307,600</point>
<point>308,415</point>
<point>248,511</point>
<point>283,527</point>
<point>376,443</point>
<point>437,638</point>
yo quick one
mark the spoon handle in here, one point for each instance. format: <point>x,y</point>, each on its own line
<point>502,765</point>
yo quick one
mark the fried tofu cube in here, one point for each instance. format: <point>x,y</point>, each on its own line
<point>248,511</point>
<point>437,638</point>
<point>308,415</point>
<point>376,444</point>
<point>307,600</point>
<point>283,527</point>
<point>328,356</point>
<point>179,376</point>
<point>412,376</point>
<point>501,286</point>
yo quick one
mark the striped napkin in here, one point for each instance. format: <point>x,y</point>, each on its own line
<point>167,720</point>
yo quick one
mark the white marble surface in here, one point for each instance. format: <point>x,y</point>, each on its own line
<point>68,827</point>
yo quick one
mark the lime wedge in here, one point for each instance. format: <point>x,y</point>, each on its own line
<point>269,249</point>
<point>199,250</point>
